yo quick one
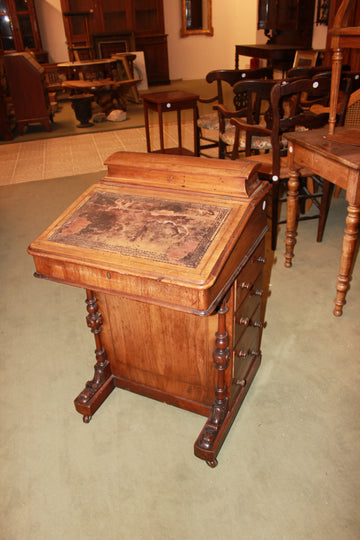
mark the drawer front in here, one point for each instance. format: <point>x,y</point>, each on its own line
<point>248,280</point>
<point>178,106</point>
<point>246,314</point>
<point>245,353</point>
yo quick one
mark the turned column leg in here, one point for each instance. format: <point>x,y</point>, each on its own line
<point>291,217</point>
<point>208,443</point>
<point>347,256</point>
<point>335,83</point>
<point>98,389</point>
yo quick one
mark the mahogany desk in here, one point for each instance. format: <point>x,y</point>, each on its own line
<point>278,56</point>
<point>173,100</point>
<point>339,163</point>
<point>170,251</point>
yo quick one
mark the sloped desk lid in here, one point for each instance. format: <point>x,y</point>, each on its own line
<point>157,229</point>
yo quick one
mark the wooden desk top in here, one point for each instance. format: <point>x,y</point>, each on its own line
<point>320,142</point>
<point>161,229</point>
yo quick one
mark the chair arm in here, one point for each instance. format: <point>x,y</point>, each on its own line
<point>250,128</point>
<point>227,113</point>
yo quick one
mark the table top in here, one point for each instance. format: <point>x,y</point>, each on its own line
<point>319,141</point>
<point>271,47</point>
<point>98,83</point>
<point>171,96</point>
<point>270,51</point>
<point>157,227</point>
<point>83,63</point>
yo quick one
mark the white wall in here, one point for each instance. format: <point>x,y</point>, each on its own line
<point>52,29</point>
<point>192,57</point>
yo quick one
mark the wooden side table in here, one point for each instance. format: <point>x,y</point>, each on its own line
<point>175,100</point>
<point>170,250</point>
<point>339,163</point>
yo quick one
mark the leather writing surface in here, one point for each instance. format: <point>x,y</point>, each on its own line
<point>166,230</point>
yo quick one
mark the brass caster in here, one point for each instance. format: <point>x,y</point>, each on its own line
<point>213,463</point>
<point>87,418</point>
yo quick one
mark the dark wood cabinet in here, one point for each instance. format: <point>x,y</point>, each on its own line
<point>287,22</point>
<point>19,29</point>
<point>26,81</point>
<point>123,24</point>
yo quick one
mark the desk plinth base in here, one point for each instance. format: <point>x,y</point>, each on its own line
<point>211,438</point>
<point>110,371</point>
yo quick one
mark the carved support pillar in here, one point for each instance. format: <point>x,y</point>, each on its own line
<point>209,441</point>
<point>347,256</point>
<point>96,390</point>
<point>335,83</point>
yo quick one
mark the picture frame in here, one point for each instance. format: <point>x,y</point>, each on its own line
<point>306,58</point>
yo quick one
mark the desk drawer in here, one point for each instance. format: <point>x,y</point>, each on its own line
<point>248,281</point>
<point>178,106</point>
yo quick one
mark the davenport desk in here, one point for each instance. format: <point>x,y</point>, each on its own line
<point>339,163</point>
<point>170,251</point>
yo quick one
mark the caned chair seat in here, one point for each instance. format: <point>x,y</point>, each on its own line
<point>352,116</point>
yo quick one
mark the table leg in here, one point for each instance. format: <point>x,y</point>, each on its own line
<point>179,128</point>
<point>147,130</point>
<point>291,217</point>
<point>161,129</point>
<point>196,150</point>
<point>347,256</point>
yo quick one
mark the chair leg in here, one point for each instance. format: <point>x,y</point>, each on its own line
<point>198,136</point>
<point>274,213</point>
<point>324,207</point>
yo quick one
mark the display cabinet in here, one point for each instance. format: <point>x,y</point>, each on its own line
<point>19,29</point>
<point>84,20</point>
<point>287,21</point>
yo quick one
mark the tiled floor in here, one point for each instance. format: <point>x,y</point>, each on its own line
<point>78,154</point>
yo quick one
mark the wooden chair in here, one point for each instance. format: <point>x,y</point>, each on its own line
<point>288,115</point>
<point>252,102</point>
<point>210,121</point>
